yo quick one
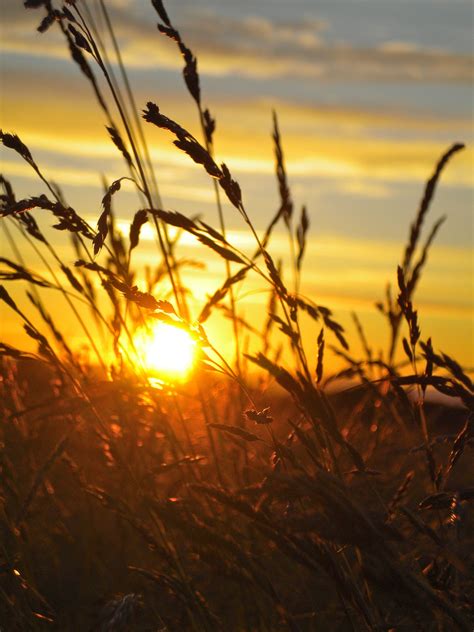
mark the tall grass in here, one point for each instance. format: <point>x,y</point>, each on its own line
<point>221,503</point>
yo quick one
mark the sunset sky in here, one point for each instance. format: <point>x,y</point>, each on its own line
<point>369,94</point>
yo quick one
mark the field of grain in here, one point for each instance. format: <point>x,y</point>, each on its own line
<point>152,481</point>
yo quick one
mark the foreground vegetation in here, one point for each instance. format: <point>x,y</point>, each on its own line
<point>220,503</point>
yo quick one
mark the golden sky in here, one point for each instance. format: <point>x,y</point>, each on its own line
<point>368,99</point>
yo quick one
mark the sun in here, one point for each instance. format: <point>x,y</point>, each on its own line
<point>166,350</point>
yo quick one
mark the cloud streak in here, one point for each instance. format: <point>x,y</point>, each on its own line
<point>257,47</point>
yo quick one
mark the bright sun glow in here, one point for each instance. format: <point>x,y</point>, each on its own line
<point>167,350</point>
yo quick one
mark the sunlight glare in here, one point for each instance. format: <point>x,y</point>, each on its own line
<point>166,350</point>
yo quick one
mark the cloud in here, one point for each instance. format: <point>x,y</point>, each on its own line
<point>256,47</point>
<point>366,188</point>
<point>262,47</point>
<point>352,145</point>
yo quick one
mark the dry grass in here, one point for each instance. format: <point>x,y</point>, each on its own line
<point>222,503</point>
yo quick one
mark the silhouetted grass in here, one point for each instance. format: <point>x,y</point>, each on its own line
<point>224,502</point>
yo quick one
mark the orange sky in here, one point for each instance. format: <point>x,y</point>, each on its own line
<point>363,122</point>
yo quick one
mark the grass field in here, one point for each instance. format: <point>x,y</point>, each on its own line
<point>155,481</point>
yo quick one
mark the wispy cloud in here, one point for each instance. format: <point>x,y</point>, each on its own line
<point>351,144</point>
<point>256,47</point>
<point>361,167</point>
